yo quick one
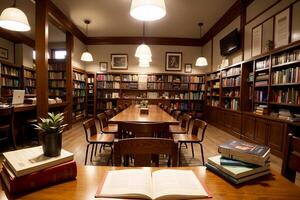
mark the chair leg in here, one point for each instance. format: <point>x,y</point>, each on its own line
<point>96,149</point>
<point>93,146</point>
<point>179,156</point>
<point>86,153</point>
<point>110,157</point>
<point>192,150</point>
<point>202,154</point>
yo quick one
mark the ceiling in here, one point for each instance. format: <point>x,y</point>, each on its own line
<point>111,17</point>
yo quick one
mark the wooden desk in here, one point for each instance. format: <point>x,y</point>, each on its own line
<point>132,114</point>
<point>89,177</point>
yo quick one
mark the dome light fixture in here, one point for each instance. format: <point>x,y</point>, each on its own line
<point>87,56</point>
<point>143,52</point>
<point>201,60</point>
<point>14,19</point>
<point>147,10</point>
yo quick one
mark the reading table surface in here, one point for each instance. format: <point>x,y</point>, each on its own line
<point>90,177</point>
<point>132,114</point>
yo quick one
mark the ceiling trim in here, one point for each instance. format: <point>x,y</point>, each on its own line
<point>16,37</point>
<point>139,40</point>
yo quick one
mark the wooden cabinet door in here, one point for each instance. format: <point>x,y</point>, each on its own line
<point>227,119</point>
<point>220,117</point>
<point>249,127</point>
<point>213,115</point>
<point>236,121</point>
<point>275,136</point>
<point>261,130</point>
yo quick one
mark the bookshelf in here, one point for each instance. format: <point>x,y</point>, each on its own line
<point>10,78</point>
<point>90,91</point>
<point>213,89</point>
<point>57,79</point>
<point>29,81</point>
<point>79,94</point>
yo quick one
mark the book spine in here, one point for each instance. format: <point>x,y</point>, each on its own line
<point>222,174</point>
<point>50,176</point>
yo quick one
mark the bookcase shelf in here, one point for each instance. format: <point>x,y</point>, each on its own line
<point>57,79</point>
<point>79,94</point>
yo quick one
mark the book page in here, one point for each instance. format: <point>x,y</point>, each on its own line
<point>131,183</point>
<point>176,184</point>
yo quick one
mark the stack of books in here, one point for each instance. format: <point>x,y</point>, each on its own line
<point>28,169</point>
<point>284,114</point>
<point>261,110</point>
<point>240,161</point>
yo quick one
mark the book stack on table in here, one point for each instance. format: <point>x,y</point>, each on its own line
<point>240,161</point>
<point>28,169</point>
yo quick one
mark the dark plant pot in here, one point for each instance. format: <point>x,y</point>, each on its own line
<point>52,143</point>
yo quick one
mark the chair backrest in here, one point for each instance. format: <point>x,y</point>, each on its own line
<point>7,116</point>
<point>291,159</point>
<point>89,128</point>
<point>199,124</point>
<point>143,149</point>
<point>117,109</point>
<point>109,113</point>
<point>185,121</point>
<point>131,129</point>
<point>103,122</point>
<point>170,110</point>
<point>176,114</point>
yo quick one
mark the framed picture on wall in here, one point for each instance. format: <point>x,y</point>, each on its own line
<point>188,68</point>
<point>256,40</point>
<point>173,61</point>
<point>119,61</point>
<point>3,53</point>
<point>103,66</point>
<point>282,28</point>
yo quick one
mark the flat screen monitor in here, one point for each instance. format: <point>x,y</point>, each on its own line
<point>230,43</point>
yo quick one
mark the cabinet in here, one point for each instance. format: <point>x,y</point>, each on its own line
<point>276,135</point>
<point>236,121</point>
<point>261,130</point>
<point>248,127</point>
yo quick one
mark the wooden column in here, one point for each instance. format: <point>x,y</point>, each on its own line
<point>69,72</point>
<point>41,48</point>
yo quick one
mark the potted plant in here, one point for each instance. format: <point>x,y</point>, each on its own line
<point>52,128</point>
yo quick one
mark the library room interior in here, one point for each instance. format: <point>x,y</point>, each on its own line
<point>149,99</point>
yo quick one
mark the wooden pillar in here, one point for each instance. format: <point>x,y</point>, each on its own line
<point>41,48</point>
<point>69,72</point>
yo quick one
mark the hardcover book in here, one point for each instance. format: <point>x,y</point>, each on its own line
<point>142,184</point>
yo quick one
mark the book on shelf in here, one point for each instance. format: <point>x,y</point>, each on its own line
<point>290,75</point>
<point>39,179</point>
<point>235,180</point>
<point>29,160</point>
<point>160,184</point>
<point>246,152</point>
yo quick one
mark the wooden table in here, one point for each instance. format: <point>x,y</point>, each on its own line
<point>132,114</point>
<point>89,177</point>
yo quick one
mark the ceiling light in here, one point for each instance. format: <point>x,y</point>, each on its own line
<point>201,61</point>
<point>148,10</point>
<point>143,51</point>
<point>144,64</point>
<point>87,56</point>
<point>14,19</point>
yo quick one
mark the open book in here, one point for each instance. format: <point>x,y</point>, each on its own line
<point>142,184</point>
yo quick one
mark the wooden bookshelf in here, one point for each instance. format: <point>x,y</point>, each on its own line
<point>213,84</point>
<point>91,97</point>
<point>79,94</point>
<point>57,79</point>
<point>29,81</point>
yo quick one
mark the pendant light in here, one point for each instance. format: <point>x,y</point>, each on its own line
<point>87,56</point>
<point>201,61</point>
<point>143,52</point>
<point>14,19</point>
<point>148,10</point>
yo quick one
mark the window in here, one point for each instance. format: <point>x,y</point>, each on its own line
<point>33,55</point>
<point>60,54</point>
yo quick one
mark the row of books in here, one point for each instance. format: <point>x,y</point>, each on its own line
<point>232,93</point>
<point>261,95</point>
<point>286,57</point>
<point>289,96</point>
<point>90,80</point>
<point>231,71</point>
<point>197,95</point>
<point>214,76</point>
<point>79,100</point>
<point>108,77</point>
<point>291,75</point>
<point>28,169</point>
<point>108,85</point>
<point>59,84</point>
<point>232,104</point>
<point>130,77</point>
<point>57,66</point>
<point>229,82</point>
<point>262,64</point>
<point>78,107</point>
<point>29,74</point>
<point>57,92</point>
<point>30,90</point>
<point>29,83</point>
<point>10,82</point>
<point>261,110</point>
<point>133,85</point>
<point>108,95</point>
<point>196,79</point>
<point>78,76</point>
<point>78,93</point>
<point>104,105</point>
<point>197,87</point>
<point>240,161</point>
<point>57,75</point>
<point>10,71</point>
<point>79,85</point>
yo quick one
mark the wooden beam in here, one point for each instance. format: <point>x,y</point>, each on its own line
<point>139,40</point>
<point>69,72</point>
<point>41,47</point>
<point>16,37</point>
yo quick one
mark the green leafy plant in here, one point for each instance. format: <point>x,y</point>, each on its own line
<point>52,124</point>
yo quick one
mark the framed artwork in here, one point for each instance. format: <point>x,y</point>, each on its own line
<point>3,53</point>
<point>282,26</point>
<point>188,68</point>
<point>119,61</point>
<point>256,40</point>
<point>173,61</point>
<point>103,66</point>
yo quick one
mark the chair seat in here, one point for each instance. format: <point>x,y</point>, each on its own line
<point>185,138</point>
<point>177,129</point>
<point>102,138</point>
<point>111,128</point>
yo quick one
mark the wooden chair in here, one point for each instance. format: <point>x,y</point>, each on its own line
<point>143,149</point>
<point>6,126</point>
<point>183,128</point>
<point>291,159</point>
<point>176,114</point>
<point>105,127</point>
<point>109,113</point>
<point>193,137</point>
<point>117,110</point>
<point>131,129</point>
<point>94,138</point>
